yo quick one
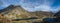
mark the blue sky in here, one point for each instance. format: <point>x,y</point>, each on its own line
<point>34,5</point>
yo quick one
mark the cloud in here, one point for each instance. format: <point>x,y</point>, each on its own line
<point>33,5</point>
<point>43,8</point>
<point>56,9</point>
<point>39,6</point>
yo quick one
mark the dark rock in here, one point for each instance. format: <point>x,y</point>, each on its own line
<point>57,14</point>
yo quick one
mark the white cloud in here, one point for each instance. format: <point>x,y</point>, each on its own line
<point>35,6</point>
<point>45,6</point>
<point>56,9</point>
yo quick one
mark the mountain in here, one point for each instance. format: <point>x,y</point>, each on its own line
<point>14,11</point>
<point>7,9</point>
<point>17,12</point>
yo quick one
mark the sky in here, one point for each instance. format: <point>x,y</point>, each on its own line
<point>33,5</point>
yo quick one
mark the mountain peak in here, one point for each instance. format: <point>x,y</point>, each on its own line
<point>9,8</point>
